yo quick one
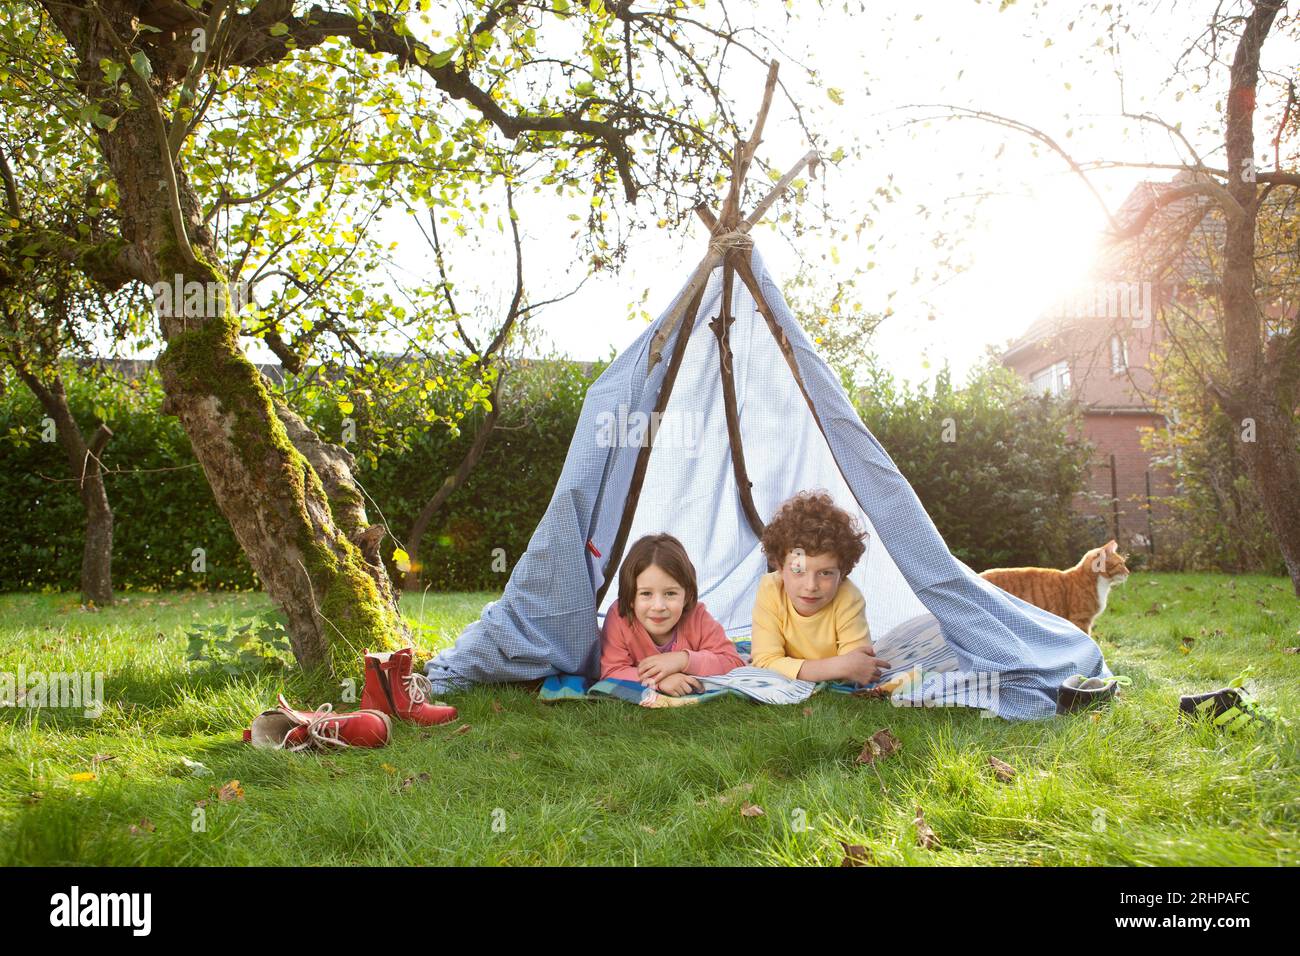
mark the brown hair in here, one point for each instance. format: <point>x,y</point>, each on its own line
<point>812,521</point>
<point>666,552</point>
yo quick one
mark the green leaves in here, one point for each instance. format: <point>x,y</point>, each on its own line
<point>140,63</point>
<point>112,71</point>
<point>257,645</point>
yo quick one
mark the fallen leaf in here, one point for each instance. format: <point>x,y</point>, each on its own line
<point>1184,649</point>
<point>1188,641</point>
<point>144,826</point>
<point>230,792</point>
<point>807,711</point>
<point>200,803</point>
<point>651,830</point>
<point>496,707</point>
<point>748,809</point>
<point>1002,770</point>
<point>387,768</point>
<point>1291,650</point>
<point>1095,717</point>
<point>513,756</point>
<point>855,855</point>
<point>925,837</point>
<point>83,776</point>
<point>879,745</point>
<point>418,778</point>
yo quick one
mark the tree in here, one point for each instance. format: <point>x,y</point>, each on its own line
<point>51,306</point>
<point>1258,334</point>
<point>147,82</point>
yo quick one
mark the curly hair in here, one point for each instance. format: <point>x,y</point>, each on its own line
<point>663,551</point>
<point>812,521</point>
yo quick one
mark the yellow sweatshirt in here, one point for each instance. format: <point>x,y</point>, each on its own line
<point>783,638</point>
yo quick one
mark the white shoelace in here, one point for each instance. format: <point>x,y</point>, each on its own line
<point>419,689</point>
<point>319,731</point>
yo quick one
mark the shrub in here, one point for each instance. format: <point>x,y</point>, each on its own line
<point>996,467</point>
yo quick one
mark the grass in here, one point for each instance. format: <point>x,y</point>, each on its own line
<point>606,783</point>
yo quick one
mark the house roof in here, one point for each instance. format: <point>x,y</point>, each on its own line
<point>1177,246</point>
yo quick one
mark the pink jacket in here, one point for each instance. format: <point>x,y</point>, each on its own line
<point>624,645</point>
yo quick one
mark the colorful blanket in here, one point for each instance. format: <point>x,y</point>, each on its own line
<point>753,683</point>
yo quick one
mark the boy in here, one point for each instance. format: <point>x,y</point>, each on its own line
<point>810,621</point>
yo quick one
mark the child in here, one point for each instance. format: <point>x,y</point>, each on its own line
<point>657,632</point>
<point>810,621</point>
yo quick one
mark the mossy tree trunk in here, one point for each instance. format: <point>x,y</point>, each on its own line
<point>337,602</point>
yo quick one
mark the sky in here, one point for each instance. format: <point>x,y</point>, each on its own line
<point>1027,239</point>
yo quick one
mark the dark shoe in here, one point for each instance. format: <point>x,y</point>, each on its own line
<point>1230,708</point>
<point>1078,692</point>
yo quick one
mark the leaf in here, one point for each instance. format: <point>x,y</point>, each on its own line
<point>925,837</point>
<point>279,29</point>
<point>856,855</point>
<point>880,745</point>
<point>1003,770</point>
<point>83,777</point>
<point>140,63</point>
<point>836,95</point>
<point>402,560</point>
<point>230,792</point>
<point>748,809</point>
<point>144,826</point>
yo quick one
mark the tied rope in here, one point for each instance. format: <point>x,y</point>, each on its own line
<point>739,238</point>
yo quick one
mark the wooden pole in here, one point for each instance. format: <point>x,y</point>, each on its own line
<point>744,152</point>
<point>722,331</point>
<point>700,277</point>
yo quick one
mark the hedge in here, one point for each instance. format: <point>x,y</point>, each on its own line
<point>1000,490</point>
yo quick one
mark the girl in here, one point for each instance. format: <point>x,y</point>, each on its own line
<point>657,632</point>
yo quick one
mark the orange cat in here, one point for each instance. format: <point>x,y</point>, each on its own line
<point>1078,595</point>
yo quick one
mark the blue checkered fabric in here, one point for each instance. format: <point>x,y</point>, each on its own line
<point>547,621</point>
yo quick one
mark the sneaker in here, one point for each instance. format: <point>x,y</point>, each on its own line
<point>1079,692</point>
<point>1229,708</point>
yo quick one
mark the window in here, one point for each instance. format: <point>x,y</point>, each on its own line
<point>1053,380</point>
<point>1118,355</point>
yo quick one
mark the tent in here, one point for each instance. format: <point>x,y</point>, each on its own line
<point>717,413</point>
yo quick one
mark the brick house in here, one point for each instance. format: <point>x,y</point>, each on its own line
<point>1096,345</point>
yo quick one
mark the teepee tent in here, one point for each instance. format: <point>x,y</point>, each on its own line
<point>715,415</point>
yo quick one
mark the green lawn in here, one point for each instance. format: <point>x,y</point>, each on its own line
<point>602,782</point>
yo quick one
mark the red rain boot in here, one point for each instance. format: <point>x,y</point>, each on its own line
<point>393,689</point>
<point>287,729</point>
